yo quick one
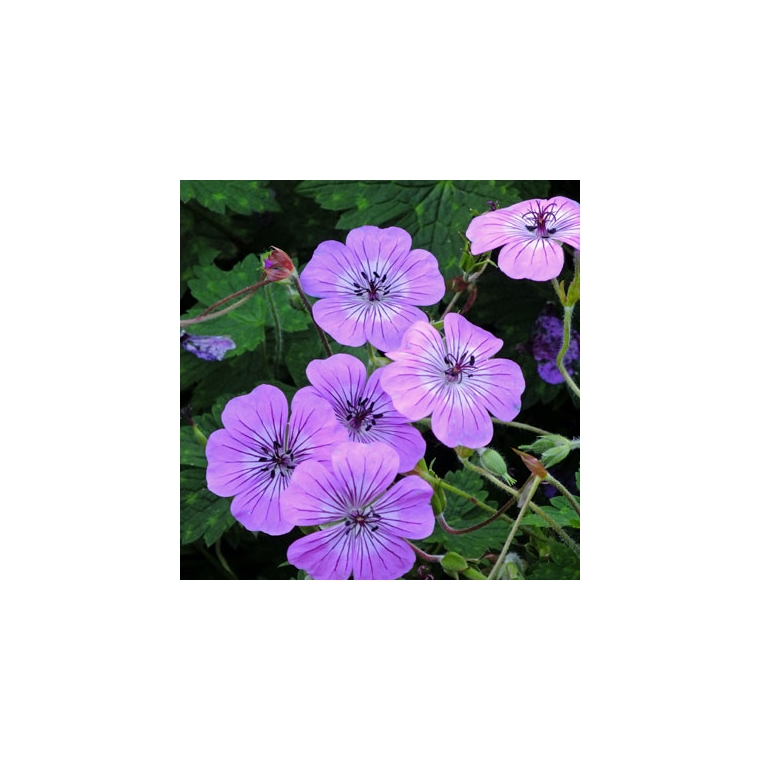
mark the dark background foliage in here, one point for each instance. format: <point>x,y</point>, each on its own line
<point>224,228</point>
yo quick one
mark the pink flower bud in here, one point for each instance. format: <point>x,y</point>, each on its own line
<point>278,266</point>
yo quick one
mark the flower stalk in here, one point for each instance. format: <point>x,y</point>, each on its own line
<point>540,512</point>
<point>207,314</point>
<point>307,304</point>
<point>568,303</point>
<point>524,501</point>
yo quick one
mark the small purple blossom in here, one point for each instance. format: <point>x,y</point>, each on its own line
<point>530,234</point>
<point>454,380</point>
<point>370,287</point>
<point>209,347</point>
<point>367,518</point>
<point>364,408</point>
<point>253,457</point>
<point>545,344</point>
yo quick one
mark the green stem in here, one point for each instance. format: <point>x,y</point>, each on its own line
<point>565,345</point>
<point>451,303</point>
<point>485,507</point>
<point>527,494</point>
<point>522,426</point>
<point>277,329</point>
<point>561,533</point>
<point>560,295</point>
<point>475,501</point>
<point>561,488</point>
<point>540,512</point>
<point>305,300</point>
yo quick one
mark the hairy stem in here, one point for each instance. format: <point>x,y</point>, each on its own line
<point>565,345</point>
<point>424,555</point>
<point>206,315</point>
<point>561,488</point>
<point>540,512</point>
<point>277,329</point>
<point>527,494</point>
<point>459,531</point>
<point>305,300</point>
<point>522,426</point>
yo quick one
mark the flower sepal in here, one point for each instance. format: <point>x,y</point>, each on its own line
<point>453,563</point>
<point>491,460</point>
<point>198,435</point>
<point>574,291</point>
<point>438,500</point>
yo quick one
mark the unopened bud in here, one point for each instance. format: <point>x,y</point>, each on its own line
<point>493,462</point>
<point>533,464</point>
<point>552,448</point>
<point>198,435</point>
<point>278,266</point>
<point>438,502</point>
<point>453,563</point>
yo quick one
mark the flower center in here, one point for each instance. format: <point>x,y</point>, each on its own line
<point>458,367</point>
<point>373,287</point>
<point>359,415</point>
<point>277,460</point>
<point>543,221</point>
<point>363,518</point>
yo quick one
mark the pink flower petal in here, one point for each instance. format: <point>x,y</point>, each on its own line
<point>325,555</point>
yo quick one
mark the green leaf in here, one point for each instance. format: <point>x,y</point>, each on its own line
<point>202,513</point>
<point>242,196</point>
<point>556,562</point>
<point>462,513</point>
<point>433,212</point>
<point>245,325</point>
<point>561,512</point>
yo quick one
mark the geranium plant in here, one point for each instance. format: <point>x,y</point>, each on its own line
<point>390,392</point>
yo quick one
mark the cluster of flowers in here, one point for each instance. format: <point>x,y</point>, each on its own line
<point>332,459</point>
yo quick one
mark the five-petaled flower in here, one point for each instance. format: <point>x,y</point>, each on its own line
<point>211,348</point>
<point>454,380</point>
<point>364,408</point>
<point>369,288</point>
<point>530,234</point>
<point>366,518</point>
<point>253,457</point>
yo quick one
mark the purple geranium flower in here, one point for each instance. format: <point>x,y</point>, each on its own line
<point>370,287</point>
<point>368,520</point>
<point>253,457</point>
<point>531,233</point>
<point>208,347</point>
<point>545,343</point>
<point>454,380</point>
<point>364,408</point>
